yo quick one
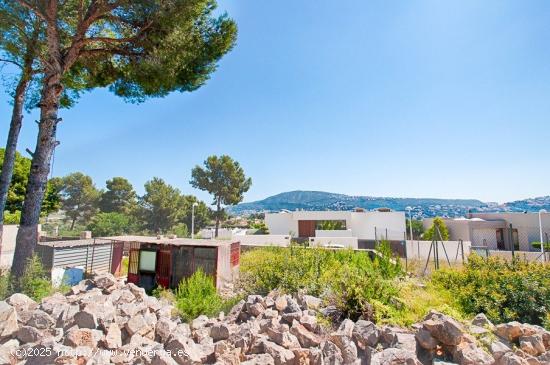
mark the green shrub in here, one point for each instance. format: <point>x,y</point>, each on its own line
<point>180,230</point>
<point>35,282</point>
<point>504,291</point>
<point>5,289</point>
<point>351,280</point>
<point>110,224</point>
<point>197,295</point>
<point>536,245</point>
<point>433,234</point>
<point>12,218</point>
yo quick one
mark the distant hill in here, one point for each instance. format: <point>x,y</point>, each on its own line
<point>319,200</point>
<point>422,207</point>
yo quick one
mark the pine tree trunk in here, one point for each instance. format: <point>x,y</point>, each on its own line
<point>27,235</point>
<point>218,210</point>
<point>11,148</point>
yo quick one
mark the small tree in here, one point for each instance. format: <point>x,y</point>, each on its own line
<point>417,228</point>
<point>432,232</point>
<point>224,178</point>
<point>119,197</point>
<point>79,198</point>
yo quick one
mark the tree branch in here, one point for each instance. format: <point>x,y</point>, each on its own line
<point>12,62</point>
<point>32,8</point>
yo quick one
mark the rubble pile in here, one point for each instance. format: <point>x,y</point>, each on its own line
<point>105,321</point>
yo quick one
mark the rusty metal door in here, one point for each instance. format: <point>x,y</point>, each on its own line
<point>133,264</point>
<point>164,266</point>
<point>116,260</point>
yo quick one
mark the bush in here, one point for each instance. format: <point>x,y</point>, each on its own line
<point>432,232</point>
<point>5,289</point>
<point>352,281</point>
<point>197,295</point>
<point>35,282</point>
<point>504,291</point>
<point>536,245</point>
<point>12,218</point>
<point>180,230</point>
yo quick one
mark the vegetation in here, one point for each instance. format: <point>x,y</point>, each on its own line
<point>161,208</point>
<point>224,178</point>
<point>119,197</point>
<point>504,291</point>
<point>110,224</point>
<point>417,229</point>
<point>438,231</point>
<point>197,295</point>
<point>12,218</point>
<point>79,197</point>
<point>536,245</point>
<point>357,284</point>
<point>34,282</point>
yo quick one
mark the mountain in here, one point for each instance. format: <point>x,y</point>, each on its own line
<point>422,207</point>
<point>319,200</point>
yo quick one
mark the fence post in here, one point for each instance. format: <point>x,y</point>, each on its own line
<point>512,244</point>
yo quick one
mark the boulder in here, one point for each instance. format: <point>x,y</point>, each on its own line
<point>365,333</point>
<point>219,332</point>
<point>311,302</point>
<point>260,359</point>
<point>21,302</point>
<point>304,336</point>
<point>393,356</point>
<point>498,349</point>
<point>282,337</point>
<point>281,303</point>
<point>27,334</point>
<point>164,328</point>
<point>331,353</point>
<point>137,325</point>
<point>8,320</point>
<point>86,337</point>
<point>113,337</point>
<point>184,351</point>
<point>481,320</point>
<point>41,320</point>
<point>161,358</point>
<point>425,340</point>
<point>199,322</point>
<point>104,281</point>
<point>511,331</point>
<point>533,345</point>
<point>443,328</point>
<point>8,352</point>
<point>86,318</point>
<point>280,355</point>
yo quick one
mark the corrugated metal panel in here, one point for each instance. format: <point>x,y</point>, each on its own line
<point>46,256</point>
<point>94,258</point>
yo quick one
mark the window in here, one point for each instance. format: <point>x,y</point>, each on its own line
<point>147,260</point>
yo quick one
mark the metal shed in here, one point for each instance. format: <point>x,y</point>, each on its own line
<point>166,261</point>
<point>94,255</point>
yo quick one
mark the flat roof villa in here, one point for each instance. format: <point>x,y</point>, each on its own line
<point>493,231</point>
<point>360,225</point>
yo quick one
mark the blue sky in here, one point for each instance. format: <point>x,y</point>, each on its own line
<point>386,98</point>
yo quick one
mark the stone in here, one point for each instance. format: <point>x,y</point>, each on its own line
<point>21,302</point>
<point>346,345</point>
<point>443,328</point>
<point>533,345</point>
<point>164,328</point>
<point>51,303</point>
<point>292,306</point>
<point>162,359</point>
<point>255,309</point>
<point>283,337</point>
<point>137,325</point>
<point>511,331</point>
<point>104,281</point>
<point>8,320</point>
<point>225,353</point>
<point>309,322</point>
<point>425,340</point>
<point>27,334</point>
<point>331,353</point>
<point>469,354</point>
<point>113,337</point>
<point>304,336</point>
<point>8,352</point>
<point>41,320</point>
<point>280,355</point>
<point>184,351</point>
<point>498,349</point>
<point>199,322</point>
<point>260,359</point>
<point>511,359</point>
<point>281,303</point>
<point>311,302</point>
<point>86,337</point>
<point>393,356</point>
<point>219,332</point>
<point>481,320</point>
<point>365,333</point>
<point>86,318</point>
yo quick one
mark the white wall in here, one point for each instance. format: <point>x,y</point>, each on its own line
<point>8,244</point>
<point>334,233</point>
<point>421,249</point>
<point>365,224</point>
<point>210,233</point>
<point>263,240</point>
<point>347,242</point>
<point>281,223</point>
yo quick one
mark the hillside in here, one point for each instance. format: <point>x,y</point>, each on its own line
<point>318,200</point>
<point>422,207</point>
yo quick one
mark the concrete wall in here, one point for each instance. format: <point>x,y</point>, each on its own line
<point>347,242</point>
<point>8,245</point>
<point>263,240</point>
<point>334,233</point>
<point>421,249</point>
<point>281,224</point>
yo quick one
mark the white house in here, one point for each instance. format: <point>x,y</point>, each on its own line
<point>359,224</point>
